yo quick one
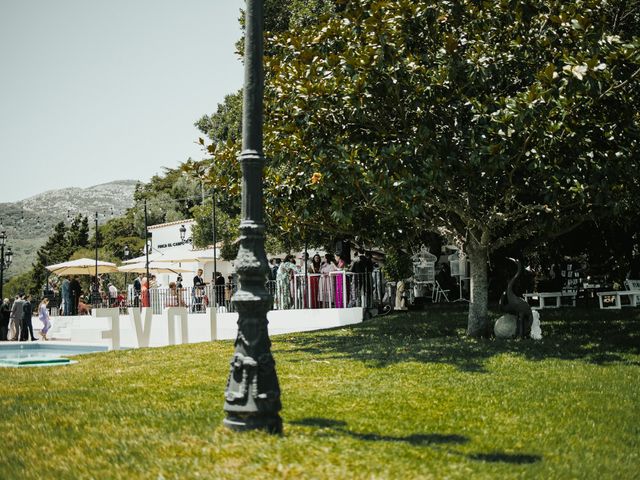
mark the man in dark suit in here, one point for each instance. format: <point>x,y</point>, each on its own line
<point>198,291</point>
<point>219,283</point>
<point>361,283</point>
<point>5,313</point>
<point>75,290</point>
<point>26,331</point>
<point>137,290</point>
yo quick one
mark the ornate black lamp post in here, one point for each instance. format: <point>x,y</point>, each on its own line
<point>96,285</point>
<point>252,396</point>
<point>146,242</point>
<point>215,237</point>
<point>5,260</point>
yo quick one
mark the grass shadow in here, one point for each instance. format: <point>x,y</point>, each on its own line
<point>438,336</point>
<point>419,439</point>
<point>515,458</point>
<point>436,440</point>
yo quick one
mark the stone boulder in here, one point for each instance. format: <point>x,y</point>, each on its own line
<point>505,326</point>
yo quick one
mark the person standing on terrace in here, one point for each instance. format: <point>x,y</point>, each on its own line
<point>283,283</point>
<point>144,292</point>
<point>5,313</point>
<point>43,315</point>
<point>137,290</point>
<point>66,297</point>
<point>198,291</point>
<point>340,281</point>
<point>314,279</point>
<point>76,291</point>
<point>16,318</point>
<point>326,281</point>
<point>26,332</point>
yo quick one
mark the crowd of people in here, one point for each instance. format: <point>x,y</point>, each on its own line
<point>320,284</point>
<point>197,297</point>
<point>325,287</point>
<point>68,296</point>
<point>16,319</point>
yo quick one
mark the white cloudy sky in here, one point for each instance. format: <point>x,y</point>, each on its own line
<point>93,91</point>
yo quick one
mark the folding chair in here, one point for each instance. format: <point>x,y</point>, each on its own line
<point>439,292</point>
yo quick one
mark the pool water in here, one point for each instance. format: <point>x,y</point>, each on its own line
<point>42,355</point>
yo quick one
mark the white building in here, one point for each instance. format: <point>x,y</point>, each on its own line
<point>171,243</point>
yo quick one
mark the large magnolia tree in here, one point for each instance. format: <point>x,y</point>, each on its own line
<point>489,121</point>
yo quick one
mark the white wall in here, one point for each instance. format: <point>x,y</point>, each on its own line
<point>133,330</point>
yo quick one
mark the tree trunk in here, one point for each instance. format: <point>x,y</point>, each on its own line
<point>477,324</point>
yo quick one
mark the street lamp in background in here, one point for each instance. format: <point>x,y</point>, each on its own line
<point>96,288</point>
<point>5,260</point>
<point>183,233</point>
<point>252,395</point>
<point>125,256</point>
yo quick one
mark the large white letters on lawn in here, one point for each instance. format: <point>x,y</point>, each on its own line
<point>113,334</point>
<point>171,314</point>
<point>143,330</point>
<point>142,321</point>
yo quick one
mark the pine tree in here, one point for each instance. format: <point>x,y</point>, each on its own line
<point>55,250</point>
<point>78,233</point>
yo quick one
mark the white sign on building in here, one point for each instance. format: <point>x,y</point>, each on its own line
<point>172,242</point>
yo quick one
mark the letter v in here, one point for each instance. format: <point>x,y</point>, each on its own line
<point>143,330</point>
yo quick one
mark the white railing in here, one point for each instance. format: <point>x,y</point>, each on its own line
<point>337,289</point>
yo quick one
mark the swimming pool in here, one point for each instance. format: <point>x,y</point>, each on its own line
<point>41,354</point>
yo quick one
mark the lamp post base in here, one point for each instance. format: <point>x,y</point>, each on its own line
<point>269,423</point>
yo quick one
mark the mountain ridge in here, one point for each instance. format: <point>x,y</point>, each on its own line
<point>29,222</point>
<point>75,189</point>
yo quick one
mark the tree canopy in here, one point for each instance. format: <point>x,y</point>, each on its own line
<point>487,121</point>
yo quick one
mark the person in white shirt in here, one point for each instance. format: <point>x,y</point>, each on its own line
<point>113,294</point>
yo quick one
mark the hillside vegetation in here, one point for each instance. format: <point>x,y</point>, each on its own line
<point>29,222</point>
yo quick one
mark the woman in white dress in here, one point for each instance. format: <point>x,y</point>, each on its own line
<point>325,295</point>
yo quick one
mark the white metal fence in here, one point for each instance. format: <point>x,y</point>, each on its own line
<point>336,290</point>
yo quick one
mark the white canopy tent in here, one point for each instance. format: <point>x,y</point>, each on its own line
<point>154,267</point>
<point>82,266</point>
<point>179,255</point>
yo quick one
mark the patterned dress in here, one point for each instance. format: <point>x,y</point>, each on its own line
<point>326,288</point>
<point>283,300</point>
<point>340,285</point>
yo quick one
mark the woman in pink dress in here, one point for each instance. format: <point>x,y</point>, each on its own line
<point>145,293</point>
<point>341,264</point>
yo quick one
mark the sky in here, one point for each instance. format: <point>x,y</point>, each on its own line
<point>93,91</point>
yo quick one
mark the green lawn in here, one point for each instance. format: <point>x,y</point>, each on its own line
<point>406,396</point>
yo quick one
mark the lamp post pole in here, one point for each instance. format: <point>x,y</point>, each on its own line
<point>252,395</point>
<point>146,242</point>
<point>96,288</point>
<point>215,238</point>
<point>3,239</point>
<point>3,264</point>
<point>125,256</point>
